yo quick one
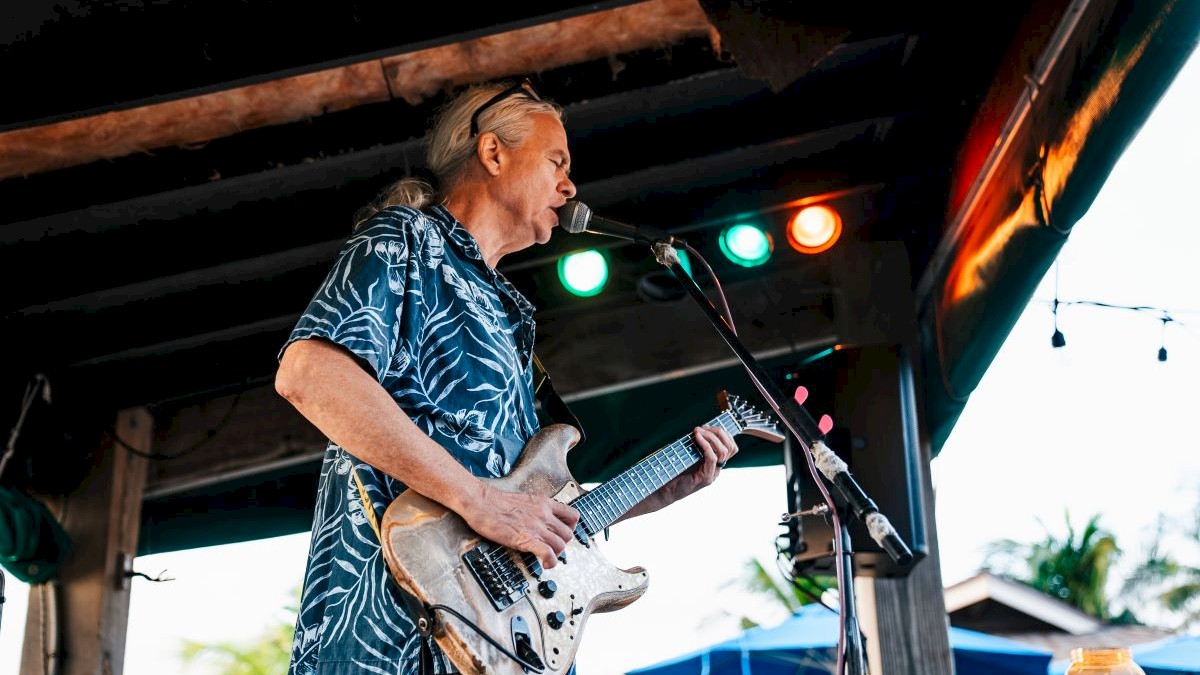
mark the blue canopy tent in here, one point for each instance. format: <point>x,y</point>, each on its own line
<point>1179,655</point>
<point>806,644</point>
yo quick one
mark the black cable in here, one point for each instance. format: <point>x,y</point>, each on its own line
<point>1167,314</point>
<point>208,436</point>
<point>808,593</point>
<point>522,662</point>
<point>788,571</point>
<point>717,283</point>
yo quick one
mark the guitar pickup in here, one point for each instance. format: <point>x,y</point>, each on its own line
<point>581,534</point>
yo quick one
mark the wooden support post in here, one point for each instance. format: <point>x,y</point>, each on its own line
<point>912,627</point>
<point>87,605</point>
<point>904,619</point>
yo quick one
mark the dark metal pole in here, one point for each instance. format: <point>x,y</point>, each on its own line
<point>855,656</point>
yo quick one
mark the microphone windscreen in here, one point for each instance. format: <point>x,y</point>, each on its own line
<point>574,216</point>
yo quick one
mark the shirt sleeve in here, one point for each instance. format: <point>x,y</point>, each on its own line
<point>361,303</point>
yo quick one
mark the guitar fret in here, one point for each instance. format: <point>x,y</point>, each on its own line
<point>639,488</point>
<point>607,503</point>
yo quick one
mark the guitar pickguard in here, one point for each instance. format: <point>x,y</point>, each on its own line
<point>425,548</point>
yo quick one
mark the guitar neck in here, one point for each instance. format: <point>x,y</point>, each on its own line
<point>614,498</point>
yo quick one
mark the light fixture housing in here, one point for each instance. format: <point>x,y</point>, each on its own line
<point>814,229</point>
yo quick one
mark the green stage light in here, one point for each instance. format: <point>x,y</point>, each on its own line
<point>746,244</point>
<point>583,273</point>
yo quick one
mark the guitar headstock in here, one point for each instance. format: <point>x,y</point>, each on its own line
<point>749,419</point>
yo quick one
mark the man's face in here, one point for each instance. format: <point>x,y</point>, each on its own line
<point>535,182</point>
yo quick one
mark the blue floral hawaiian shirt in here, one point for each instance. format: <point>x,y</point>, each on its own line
<point>451,340</point>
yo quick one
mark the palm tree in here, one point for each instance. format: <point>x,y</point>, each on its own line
<point>789,591</point>
<point>1161,579</point>
<point>1074,569</point>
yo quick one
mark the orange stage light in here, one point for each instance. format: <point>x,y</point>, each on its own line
<point>814,229</point>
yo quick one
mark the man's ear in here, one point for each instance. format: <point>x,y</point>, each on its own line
<point>488,151</point>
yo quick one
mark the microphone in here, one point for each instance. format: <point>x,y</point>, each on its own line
<point>576,217</point>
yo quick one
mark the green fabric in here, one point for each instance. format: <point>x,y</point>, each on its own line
<point>32,543</point>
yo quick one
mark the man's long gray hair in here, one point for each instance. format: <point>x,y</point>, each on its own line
<point>450,145</point>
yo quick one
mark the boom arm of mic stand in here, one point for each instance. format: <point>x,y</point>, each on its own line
<point>806,431</point>
<point>796,417</point>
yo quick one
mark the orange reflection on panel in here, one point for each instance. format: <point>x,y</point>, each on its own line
<point>980,248</point>
<point>970,271</point>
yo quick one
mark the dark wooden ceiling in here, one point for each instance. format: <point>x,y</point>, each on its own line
<point>194,259</point>
<point>177,176</point>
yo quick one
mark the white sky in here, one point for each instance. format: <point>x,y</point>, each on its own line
<point>1097,427</point>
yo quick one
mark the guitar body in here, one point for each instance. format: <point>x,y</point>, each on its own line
<point>424,545</point>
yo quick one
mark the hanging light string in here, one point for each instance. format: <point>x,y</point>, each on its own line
<point>1164,315</point>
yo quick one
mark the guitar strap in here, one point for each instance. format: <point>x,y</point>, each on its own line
<point>551,402</point>
<point>422,616</point>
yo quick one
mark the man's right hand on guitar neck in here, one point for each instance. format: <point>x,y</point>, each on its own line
<point>525,522</point>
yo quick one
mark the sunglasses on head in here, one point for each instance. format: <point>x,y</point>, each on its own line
<point>524,87</point>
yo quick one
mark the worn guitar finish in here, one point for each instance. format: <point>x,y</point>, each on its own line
<point>537,614</point>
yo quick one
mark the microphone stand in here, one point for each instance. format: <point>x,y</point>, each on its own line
<point>805,429</point>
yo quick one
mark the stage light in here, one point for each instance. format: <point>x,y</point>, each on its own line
<point>814,229</point>
<point>583,273</point>
<point>746,244</point>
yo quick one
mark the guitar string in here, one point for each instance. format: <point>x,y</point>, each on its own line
<point>604,501</point>
<point>508,572</point>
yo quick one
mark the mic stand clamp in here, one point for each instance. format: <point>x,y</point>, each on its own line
<point>805,429</point>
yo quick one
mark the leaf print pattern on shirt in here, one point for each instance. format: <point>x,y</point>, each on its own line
<point>480,306</point>
<point>466,427</point>
<point>409,296</point>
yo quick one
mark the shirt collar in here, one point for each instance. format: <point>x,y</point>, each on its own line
<point>465,241</point>
<point>456,232</point>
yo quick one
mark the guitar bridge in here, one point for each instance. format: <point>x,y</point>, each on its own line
<point>493,568</point>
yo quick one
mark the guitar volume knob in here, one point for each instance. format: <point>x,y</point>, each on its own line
<point>556,619</point>
<point>547,588</point>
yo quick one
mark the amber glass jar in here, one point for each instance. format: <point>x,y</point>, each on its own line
<point>1103,661</point>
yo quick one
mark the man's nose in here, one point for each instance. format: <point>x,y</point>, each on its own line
<point>568,188</point>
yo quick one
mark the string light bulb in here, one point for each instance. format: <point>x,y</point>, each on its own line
<point>1057,340</point>
<point>1162,350</point>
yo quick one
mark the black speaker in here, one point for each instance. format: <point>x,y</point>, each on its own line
<point>869,392</point>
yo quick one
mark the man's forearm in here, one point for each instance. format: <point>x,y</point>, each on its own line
<point>342,400</point>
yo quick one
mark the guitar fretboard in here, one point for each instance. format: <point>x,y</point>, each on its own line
<point>614,498</point>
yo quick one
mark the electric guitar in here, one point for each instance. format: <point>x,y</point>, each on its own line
<point>488,606</point>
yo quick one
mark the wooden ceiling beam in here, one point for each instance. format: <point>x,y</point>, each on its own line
<point>412,77</point>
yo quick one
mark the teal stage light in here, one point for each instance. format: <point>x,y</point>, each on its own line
<point>583,273</point>
<point>746,244</point>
